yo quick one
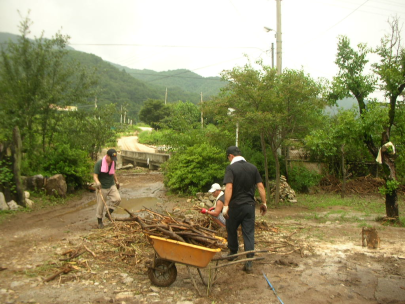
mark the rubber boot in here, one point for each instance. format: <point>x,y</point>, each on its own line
<point>230,257</point>
<point>100,224</point>
<point>248,268</point>
<point>108,215</point>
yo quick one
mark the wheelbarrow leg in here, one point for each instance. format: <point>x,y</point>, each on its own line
<point>212,276</point>
<point>192,279</point>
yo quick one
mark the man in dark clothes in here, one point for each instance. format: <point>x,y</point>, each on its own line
<point>241,179</point>
<point>107,185</point>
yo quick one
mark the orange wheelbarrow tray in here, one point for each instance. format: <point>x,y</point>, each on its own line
<point>184,253</point>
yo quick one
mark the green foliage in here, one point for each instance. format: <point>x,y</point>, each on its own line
<point>152,138</point>
<point>73,164</point>
<point>6,175</point>
<point>153,112</point>
<point>301,179</point>
<point>183,117</point>
<point>389,187</point>
<point>194,169</point>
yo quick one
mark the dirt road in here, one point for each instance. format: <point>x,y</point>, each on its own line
<point>311,261</point>
<point>131,143</point>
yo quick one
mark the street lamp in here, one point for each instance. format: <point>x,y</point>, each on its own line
<point>230,113</point>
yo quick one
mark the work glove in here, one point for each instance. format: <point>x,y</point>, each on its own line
<point>117,185</point>
<point>225,211</point>
<point>263,209</point>
<point>97,185</point>
<point>204,211</point>
<point>212,208</point>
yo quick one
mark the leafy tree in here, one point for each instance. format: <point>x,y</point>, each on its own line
<point>338,137</point>
<point>183,117</point>
<point>274,107</point>
<point>153,112</point>
<point>35,83</point>
<point>195,168</point>
<point>352,81</point>
<point>90,130</point>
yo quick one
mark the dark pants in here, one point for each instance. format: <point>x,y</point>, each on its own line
<point>241,215</point>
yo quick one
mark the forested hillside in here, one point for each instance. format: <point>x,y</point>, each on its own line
<point>184,79</point>
<point>116,84</point>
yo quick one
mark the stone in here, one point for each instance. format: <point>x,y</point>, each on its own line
<point>124,295</point>
<point>199,196</point>
<point>126,167</point>
<point>56,185</point>
<point>13,205</point>
<point>127,280</point>
<point>26,194</point>
<point>34,182</point>
<point>29,203</point>
<point>3,204</point>
<point>155,289</point>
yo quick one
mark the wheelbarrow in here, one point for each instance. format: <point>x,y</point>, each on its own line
<point>163,271</point>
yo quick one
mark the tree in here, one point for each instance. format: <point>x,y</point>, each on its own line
<point>337,140</point>
<point>183,116</point>
<point>352,81</point>
<point>153,112</point>
<point>36,82</point>
<point>274,107</point>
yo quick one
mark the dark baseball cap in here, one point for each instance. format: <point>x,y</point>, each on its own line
<point>233,150</point>
<point>113,154</point>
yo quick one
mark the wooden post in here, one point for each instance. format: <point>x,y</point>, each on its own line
<point>16,150</point>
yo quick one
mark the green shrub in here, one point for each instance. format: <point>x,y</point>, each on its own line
<point>194,169</point>
<point>301,179</point>
<point>75,165</point>
<point>7,176</point>
<point>151,138</point>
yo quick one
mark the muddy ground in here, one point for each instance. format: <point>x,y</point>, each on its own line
<point>310,260</point>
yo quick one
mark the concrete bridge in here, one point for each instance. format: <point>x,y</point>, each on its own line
<point>143,159</point>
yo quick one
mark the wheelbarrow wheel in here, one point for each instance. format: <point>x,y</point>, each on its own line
<point>163,274</point>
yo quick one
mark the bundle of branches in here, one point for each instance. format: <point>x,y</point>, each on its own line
<point>176,229</point>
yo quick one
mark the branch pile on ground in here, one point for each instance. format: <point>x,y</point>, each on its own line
<point>176,229</point>
<point>360,185</point>
<point>279,242</point>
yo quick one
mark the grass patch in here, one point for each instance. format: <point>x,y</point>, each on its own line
<point>40,270</point>
<point>368,205</point>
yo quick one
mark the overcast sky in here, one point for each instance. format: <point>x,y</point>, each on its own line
<point>207,36</point>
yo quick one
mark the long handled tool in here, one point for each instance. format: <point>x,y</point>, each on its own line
<point>272,288</point>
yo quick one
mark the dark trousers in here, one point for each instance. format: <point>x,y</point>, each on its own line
<point>241,215</point>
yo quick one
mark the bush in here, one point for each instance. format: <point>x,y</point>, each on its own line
<point>75,165</point>
<point>194,169</point>
<point>301,179</point>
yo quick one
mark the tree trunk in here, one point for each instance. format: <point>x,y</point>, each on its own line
<point>266,167</point>
<point>277,194</point>
<point>16,149</point>
<point>342,195</point>
<point>391,204</point>
<point>287,164</point>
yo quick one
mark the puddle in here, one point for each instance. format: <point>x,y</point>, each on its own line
<point>136,204</point>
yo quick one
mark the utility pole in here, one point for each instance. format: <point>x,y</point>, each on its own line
<point>272,55</point>
<point>166,96</point>
<point>202,116</point>
<point>278,36</point>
